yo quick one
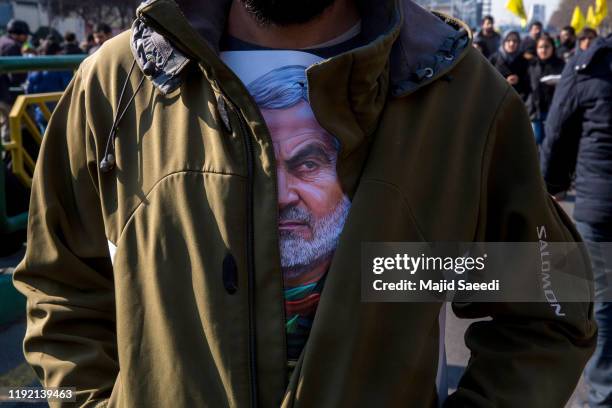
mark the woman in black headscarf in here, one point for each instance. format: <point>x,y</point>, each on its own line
<point>511,64</point>
<point>543,72</point>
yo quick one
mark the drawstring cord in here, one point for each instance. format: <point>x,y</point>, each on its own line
<point>108,161</point>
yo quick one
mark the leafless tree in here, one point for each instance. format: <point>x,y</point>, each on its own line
<point>117,13</point>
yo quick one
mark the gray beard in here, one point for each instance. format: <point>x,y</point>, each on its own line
<point>299,254</point>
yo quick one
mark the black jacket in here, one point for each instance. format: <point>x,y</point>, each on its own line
<point>490,43</point>
<point>9,48</point>
<point>566,51</point>
<point>579,133</point>
<point>541,95</point>
<point>72,48</point>
<point>518,67</point>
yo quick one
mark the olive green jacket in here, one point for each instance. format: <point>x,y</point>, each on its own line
<point>436,146</point>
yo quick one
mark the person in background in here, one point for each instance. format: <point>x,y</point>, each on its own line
<point>487,37</point>
<point>10,45</point>
<point>101,33</point>
<point>71,45</point>
<point>87,44</point>
<point>528,45</point>
<point>511,64</point>
<point>586,38</point>
<point>545,64</point>
<point>480,45</point>
<point>28,50</point>
<point>47,81</point>
<point>579,136</point>
<point>567,43</point>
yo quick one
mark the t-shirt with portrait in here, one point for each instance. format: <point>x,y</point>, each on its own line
<point>311,203</point>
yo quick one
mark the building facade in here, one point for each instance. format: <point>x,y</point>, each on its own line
<point>34,12</point>
<point>470,11</point>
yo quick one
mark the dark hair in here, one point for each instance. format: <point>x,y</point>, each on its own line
<point>17,27</point>
<point>535,23</point>
<point>488,17</point>
<point>69,36</point>
<point>587,32</point>
<point>551,41</point>
<point>569,29</point>
<point>49,47</point>
<point>102,28</point>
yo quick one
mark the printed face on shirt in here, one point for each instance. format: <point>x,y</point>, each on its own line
<point>312,205</point>
<point>306,166</point>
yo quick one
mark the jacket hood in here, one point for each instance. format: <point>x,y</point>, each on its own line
<point>420,45</point>
<point>583,59</point>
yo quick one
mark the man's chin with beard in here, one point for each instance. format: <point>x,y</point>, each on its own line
<point>299,255</point>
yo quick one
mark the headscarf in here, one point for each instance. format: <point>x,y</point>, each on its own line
<point>510,57</point>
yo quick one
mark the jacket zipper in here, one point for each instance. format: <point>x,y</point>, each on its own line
<point>248,144</point>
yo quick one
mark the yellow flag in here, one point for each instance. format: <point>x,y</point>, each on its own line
<point>591,20</point>
<point>578,21</point>
<point>601,10</point>
<point>517,8</point>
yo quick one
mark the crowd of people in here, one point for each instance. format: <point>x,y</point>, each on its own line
<point>533,64</point>
<point>571,113</point>
<point>20,41</point>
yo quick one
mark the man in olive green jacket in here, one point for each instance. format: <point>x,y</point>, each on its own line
<point>153,271</point>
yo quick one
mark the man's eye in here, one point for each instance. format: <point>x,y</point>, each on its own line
<point>309,166</point>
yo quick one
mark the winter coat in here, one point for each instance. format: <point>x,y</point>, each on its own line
<point>46,81</point>
<point>72,48</point>
<point>541,94</point>
<point>491,42</point>
<point>519,66</point>
<point>9,48</point>
<point>566,51</point>
<point>157,282</point>
<point>579,133</point>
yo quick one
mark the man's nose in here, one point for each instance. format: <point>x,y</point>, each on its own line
<point>287,194</point>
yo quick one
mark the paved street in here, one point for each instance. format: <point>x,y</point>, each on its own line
<point>14,371</point>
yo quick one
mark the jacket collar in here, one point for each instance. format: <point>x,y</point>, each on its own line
<point>407,48</point>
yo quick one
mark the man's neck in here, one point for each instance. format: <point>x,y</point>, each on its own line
<point>334,21</point>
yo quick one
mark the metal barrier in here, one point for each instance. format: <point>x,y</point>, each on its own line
<point>22,126</point>
<point>20,118</point>
<point>42,63</point>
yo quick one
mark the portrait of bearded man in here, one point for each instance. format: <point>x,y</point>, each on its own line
<point>311,204</point>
